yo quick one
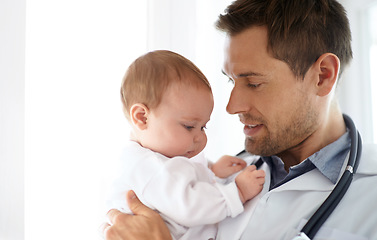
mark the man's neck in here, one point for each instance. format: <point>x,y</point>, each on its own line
<point>330,129</point>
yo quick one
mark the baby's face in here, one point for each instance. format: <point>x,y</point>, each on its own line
<point>177,126</point>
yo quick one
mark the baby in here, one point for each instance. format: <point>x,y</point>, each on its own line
<point>168,102</point>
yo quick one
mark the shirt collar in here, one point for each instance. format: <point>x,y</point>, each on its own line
<point>329,161</point>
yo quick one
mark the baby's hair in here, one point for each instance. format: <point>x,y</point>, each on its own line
<point>148,77</point>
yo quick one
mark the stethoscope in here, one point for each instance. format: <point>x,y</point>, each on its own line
<point>324,211</point>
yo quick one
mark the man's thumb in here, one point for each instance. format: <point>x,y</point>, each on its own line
<point>137,207</point>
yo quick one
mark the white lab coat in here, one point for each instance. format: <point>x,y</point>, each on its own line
<point>281,213</point>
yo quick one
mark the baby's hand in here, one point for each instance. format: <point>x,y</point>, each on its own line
<point>227,165</point>
<point>250,183</point>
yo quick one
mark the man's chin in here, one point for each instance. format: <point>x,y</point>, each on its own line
<point>259,149</point>
<point>251,148</point>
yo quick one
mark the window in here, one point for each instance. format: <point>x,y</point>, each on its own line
<point>76,55</point>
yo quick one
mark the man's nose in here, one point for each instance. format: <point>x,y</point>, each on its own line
<point>237,102</point>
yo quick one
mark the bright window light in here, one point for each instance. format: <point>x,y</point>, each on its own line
<point>77,51</point>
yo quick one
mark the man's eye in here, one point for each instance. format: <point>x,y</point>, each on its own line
<point>230,81</point>
<point>253,85</point>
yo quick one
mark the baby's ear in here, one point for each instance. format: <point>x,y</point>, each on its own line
<point>139,114</point>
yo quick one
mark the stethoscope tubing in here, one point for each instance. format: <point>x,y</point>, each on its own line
<point>324,211</point>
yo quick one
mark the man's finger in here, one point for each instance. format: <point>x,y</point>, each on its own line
<point>103,229</point>
<point>112,216</point>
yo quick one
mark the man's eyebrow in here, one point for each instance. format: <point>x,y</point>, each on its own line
<point>249,74</point>
<point>246,74</point>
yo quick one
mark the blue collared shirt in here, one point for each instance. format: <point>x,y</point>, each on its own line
<point>329,161</point>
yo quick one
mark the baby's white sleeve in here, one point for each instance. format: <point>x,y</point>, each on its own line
<point>183,192</point>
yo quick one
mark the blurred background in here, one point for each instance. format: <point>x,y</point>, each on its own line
<point>61,124</point>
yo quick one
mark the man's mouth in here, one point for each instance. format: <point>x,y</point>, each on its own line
<point>252,130</point>
<point>252,126</point>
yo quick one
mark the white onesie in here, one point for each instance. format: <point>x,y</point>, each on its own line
<point>184,191</point>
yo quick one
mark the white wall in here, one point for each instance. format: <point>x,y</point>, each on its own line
<point>355,87</point>
<point>12,70</point>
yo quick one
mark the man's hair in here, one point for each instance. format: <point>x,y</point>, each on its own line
<point>148,77</point>
<point>299,31</point>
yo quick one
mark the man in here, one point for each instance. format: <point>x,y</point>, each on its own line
<point>284,58</point>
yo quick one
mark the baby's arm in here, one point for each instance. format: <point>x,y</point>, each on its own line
<point>227,165</point>
<point>185,194</point>
<point>250,183</point>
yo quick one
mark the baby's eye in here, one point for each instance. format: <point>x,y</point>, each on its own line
<point>188,127</point>
<point>230,81</point>
<point>203,128</point>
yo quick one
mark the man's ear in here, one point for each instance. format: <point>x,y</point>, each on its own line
<point>328,65</point>
<point>139,115</point>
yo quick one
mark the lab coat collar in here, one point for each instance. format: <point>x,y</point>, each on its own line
<point>368,162</point>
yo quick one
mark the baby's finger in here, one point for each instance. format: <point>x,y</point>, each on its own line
<point>238,161</point>
<point>237,167</point>
<point>251,168</point>
<point>261,173</point>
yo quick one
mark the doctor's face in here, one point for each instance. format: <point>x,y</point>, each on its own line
<point>275,106</point>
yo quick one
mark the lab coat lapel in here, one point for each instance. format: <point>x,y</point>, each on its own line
<point>233,228</point>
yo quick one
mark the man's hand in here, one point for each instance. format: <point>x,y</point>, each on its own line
<point>227,165</point>
<point>144,224</point>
